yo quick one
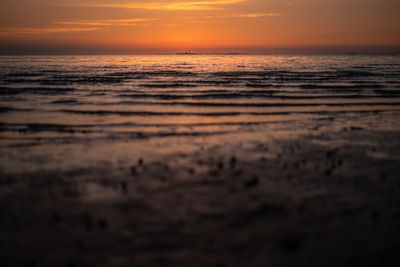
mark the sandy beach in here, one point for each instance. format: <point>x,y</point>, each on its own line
<point>329,200</point>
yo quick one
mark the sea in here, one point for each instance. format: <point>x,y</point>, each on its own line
<point>69,112</point>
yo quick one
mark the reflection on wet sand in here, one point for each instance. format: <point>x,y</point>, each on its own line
<point>130,161</point>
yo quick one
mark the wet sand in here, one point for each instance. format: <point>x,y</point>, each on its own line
<point>327,200</point>
<point>200,160</point>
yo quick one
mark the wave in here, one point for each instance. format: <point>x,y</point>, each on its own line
<point>212,114</point>
<point>340,86</point>
<point>261,95</point>
<point>25,74</point>
<point>168,85</point>
<point>65,101</point>
<point>213,78</point>
<point>154,73</point>
<point>98,128</point>
<point>11,109</point>
<point>34,90</point>
<point>229,104</point>
<point>67,138</point>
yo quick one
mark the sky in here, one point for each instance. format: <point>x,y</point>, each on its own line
<point>197,25</point>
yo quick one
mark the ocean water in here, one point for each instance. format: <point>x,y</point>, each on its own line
<point>63,112</point>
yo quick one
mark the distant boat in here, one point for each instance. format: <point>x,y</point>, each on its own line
<point>193,53</point>
<point>188,53</point>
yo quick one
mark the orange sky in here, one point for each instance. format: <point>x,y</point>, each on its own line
<point>197,24</point>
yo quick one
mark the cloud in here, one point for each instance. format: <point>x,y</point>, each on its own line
<point>235,15</point>
<point>107,22</point>
<point>8,30</point>
<point>193,5</point>
<point>92,25</point>
<point>255,15</point>
<point>245,15</point>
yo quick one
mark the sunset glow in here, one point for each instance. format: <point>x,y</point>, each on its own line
<point>196,133</point>
<point>161,25</point>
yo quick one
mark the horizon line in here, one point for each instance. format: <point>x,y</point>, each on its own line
<point>205,51</point>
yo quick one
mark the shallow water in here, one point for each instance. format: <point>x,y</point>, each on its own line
<point>60,108</point>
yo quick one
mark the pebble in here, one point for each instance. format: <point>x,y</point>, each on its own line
<point>124,186</point>
<point>233,162</point>
<point>220,165</point>
<point>87,221</point>
<point>254,181</point>
<point>102,223</point>
<point>290,244</point>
